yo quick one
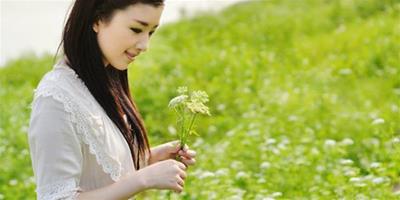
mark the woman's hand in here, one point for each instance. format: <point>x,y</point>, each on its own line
<point>171,150</point>
<point>168,174</point>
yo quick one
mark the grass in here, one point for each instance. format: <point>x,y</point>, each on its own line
<point>298,92</point>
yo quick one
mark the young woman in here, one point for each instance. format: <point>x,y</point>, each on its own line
<point>86,136</point>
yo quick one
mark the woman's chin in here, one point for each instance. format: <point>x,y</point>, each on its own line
<point>121,66</point>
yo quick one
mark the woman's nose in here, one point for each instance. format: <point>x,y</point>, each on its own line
<point>142,44</point>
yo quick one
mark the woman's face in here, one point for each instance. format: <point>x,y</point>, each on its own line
<point>127,34</point>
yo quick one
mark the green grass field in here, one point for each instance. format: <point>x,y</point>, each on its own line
<point>305,98</point>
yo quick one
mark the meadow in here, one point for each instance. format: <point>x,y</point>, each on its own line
<point>304,97</point>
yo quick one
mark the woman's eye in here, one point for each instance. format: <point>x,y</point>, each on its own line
<point>151,33</point>
<point>136,30</point>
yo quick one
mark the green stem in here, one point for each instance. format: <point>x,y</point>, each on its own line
<point>190,128</point>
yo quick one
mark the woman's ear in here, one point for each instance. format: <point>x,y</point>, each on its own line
<point>95,27</point>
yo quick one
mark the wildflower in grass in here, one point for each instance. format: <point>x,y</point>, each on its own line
<point>378,180</point>
<point>241,174</point>
<point>378,121</point>
<point>187,107</point>
<point>375,165</point>
<point>347,142</point>
<point>265,165</point>
<point>346,162</point>
<point>330,143</point>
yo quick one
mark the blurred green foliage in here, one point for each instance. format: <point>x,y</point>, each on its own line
<point>305,97</point>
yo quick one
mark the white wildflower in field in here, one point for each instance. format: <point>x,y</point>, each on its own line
<point>236,197</point>
<point>378,180</point>
<point>375,165</point>
<point>355,179</point>
<point>187,107</point>
<point>236,165</point>
<point>270,141</point>
<point>206,174</point>
<point>320,168</point>
<point>172,130</point>
<point>241,175</point>
<point>330,143</point>
<point>378,121</point>
<point>345,71</point>
<point>221,107</point>
<point>292,118</point>
<point>265,165</point>
<point>13,182</point>
<point>358,182</point>
<point>350,172</point>
<point>276,194</point>
<point>222,172</point>
<point>261,180</point>
<point>346,161</point>
<point>347,142</point>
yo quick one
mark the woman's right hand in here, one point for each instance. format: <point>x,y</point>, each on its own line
<point>168,174</point>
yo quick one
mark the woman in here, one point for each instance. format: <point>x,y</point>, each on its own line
<point>86,136</point>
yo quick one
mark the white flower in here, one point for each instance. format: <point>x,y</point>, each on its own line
<point>199,96</point>
<point>172,130</point>
<point>346,161</point>
<point>13,182</point>
<point>378,121</point>
<point>261,180</point>
<point>355,179</point>
<point>375,165</point>
<point>276,194</point>
<point>241,174</point>
<point>265,165</point>
<point>221,172</point>
<point>350,172</point>
<point>206,174</point>
<point>345,71</point>
<point>197,107</point>
<point>347,142</point>
<point>177,100</point>
<point>182,90</point>
<point>330,143</point>
<point>378,180</point>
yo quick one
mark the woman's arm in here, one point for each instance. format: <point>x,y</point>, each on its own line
<point>168,174</point>
<point>122,189</point>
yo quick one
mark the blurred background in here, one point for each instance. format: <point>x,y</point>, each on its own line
<point>304,94</point>
<point>35,26</point>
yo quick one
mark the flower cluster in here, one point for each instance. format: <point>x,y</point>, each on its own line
<point>187,107</point>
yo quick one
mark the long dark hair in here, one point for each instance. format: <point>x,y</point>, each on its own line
<point>108,85</point>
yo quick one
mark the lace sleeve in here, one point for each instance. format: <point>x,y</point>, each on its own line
<point>55,150</point>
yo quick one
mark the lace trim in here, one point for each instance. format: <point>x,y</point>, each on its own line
<point>65,189</point>
<point>80,119</point>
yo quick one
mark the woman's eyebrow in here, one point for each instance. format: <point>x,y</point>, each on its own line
<point>144,23</point>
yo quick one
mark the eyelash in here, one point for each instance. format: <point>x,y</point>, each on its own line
<point>136,30</point>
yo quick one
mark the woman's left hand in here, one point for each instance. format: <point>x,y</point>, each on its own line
<point>171,150</point>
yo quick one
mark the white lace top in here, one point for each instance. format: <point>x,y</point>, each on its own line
<point>74,145</point>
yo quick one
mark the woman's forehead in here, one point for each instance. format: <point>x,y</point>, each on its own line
<point>147,15</point>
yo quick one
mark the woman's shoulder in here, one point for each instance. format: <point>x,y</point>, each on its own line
<point>62,84</point>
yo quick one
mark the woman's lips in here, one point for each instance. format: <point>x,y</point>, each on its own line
<point>130,55</point>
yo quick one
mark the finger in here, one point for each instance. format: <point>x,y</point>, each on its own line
<point>175,145</point>
<point>185,147</point>
<point>188,162</point>
<point>181,165</point>
<point>189,153</point>
<point>180,181</point>
<point>178,189</point>
<point>182,175</point>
